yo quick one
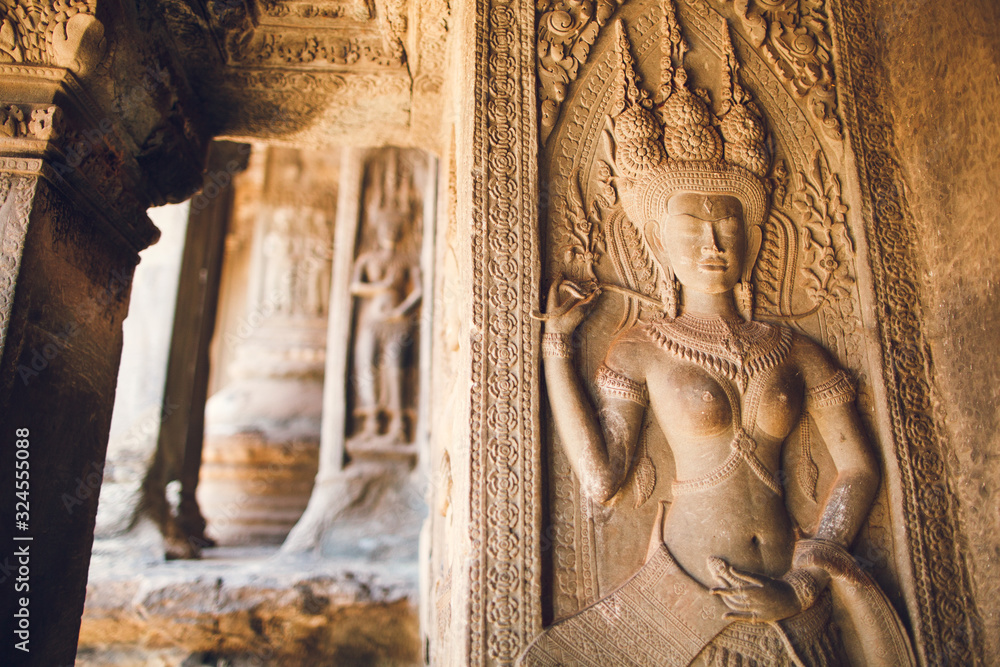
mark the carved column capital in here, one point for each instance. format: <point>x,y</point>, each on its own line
<point>118,140</point>
<point>59,33</point>
<point>51,127</point>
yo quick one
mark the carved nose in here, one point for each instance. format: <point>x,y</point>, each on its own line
<point>710,247</point>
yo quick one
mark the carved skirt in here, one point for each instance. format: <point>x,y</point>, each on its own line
<point>809,638</point>
<point>662,617</point>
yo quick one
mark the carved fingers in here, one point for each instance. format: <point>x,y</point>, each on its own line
<point>568,304</point>
<point>752,597</point>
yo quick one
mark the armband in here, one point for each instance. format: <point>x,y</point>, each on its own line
<point>617,385</point>
<point>835,391</point>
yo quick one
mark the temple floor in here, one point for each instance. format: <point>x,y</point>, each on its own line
<point>245,606</point>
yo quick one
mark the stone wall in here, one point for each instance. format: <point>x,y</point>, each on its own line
<point>943,66</point>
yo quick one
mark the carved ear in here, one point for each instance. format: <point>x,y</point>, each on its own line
<point>652,232</point>
<point>754,238</point>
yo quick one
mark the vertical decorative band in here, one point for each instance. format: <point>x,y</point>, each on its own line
<point>505,584</point>
<point>15,208</point>
<point>947,621</point>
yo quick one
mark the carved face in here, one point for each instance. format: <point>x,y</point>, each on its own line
<point>388,231</point>
<point>702,238</point>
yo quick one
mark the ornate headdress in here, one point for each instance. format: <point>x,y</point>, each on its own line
<point>675,144</point>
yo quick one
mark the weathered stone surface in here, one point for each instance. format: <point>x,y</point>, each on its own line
<point>248,608</point>
<point>943,69</point>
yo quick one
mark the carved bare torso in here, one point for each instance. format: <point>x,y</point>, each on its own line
<point>725,421</point>
<point>387,278</point>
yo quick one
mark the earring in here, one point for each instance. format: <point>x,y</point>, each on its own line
<point>744,299</point>
<point>671,292</point>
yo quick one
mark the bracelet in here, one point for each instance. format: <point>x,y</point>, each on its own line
<point>556,346</point>
<point>804,584</point>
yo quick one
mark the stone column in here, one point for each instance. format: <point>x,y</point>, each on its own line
<point>82,155</point>
<point>485,559</point>
<point>179,447</point>
<point>262,428</point>
<point>71,222</point>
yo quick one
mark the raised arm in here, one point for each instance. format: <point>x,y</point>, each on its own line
<point>600,447</point>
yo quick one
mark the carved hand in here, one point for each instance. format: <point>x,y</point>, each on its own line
<point>753,597</point>
<point>565,317</point>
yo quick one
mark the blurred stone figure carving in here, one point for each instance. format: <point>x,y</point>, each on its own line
<point>387,284</point>
<point>278,260</point>
<point>315,284</point>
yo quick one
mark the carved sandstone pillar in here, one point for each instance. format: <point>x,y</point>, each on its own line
<point>75,180</point>
<point>262,428</point>
<point>485,571</point>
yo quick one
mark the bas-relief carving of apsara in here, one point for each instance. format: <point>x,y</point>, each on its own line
<point>695,257</point>
<point>387,288</point>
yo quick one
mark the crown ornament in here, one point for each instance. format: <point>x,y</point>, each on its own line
<point>678,143</point>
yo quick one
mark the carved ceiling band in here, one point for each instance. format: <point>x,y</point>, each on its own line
<point>63,33</point>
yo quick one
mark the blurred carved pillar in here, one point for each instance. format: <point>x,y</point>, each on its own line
<point>262,428</point>
<point>179,448</point>
<point>75,179</point>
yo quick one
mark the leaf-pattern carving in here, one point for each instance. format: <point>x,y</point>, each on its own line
<point>566,31</point>
<point>794,37</point>
<point>579,242</point>
<point>826,242</point>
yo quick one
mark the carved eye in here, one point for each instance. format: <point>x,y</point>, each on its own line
<point>708,397</point>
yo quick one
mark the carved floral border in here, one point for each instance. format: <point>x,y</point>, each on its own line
<point>504,570</point>
<point>946,619</point>
<point>15,190</point>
